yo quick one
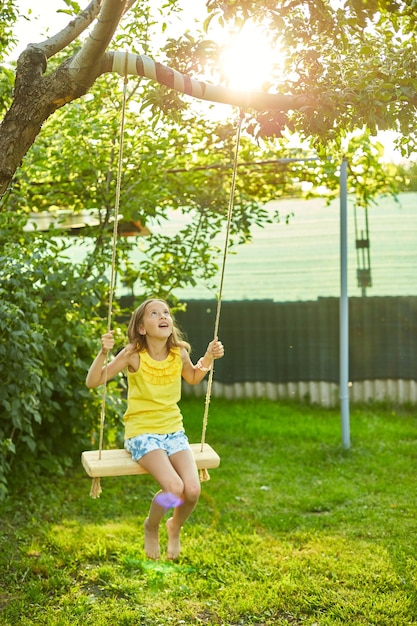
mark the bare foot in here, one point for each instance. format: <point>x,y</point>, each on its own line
<point>174,546</point>
<point>152,549</point>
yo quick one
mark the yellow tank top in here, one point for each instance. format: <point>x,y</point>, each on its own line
<point>153,393</point>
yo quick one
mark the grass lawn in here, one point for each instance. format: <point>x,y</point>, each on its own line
<point>291,529</point>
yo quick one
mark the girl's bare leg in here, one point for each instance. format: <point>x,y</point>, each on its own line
<point>159,466</point>
<point>151,530</point>
<point>183,462</point>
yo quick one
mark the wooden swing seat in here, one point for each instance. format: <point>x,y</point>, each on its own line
<point>120,463</point>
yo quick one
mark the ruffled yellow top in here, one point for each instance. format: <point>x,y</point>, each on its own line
<point>153,395</point>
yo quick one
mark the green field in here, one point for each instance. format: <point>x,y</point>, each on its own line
<point>291,529</point>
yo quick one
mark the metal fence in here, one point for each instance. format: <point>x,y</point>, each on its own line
<point>291,349</point>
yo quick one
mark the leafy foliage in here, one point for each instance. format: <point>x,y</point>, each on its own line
<point>168,167</point>
<point>6,83</point>
<point>356,62</point>
<point>8,16</point>
<point>48,316</point>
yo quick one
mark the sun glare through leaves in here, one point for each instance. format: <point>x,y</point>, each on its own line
<point>249,61</point>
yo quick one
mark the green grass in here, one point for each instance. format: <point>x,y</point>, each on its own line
<point>291,529</point>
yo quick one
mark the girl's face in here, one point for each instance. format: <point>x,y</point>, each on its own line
<point>157,320</point>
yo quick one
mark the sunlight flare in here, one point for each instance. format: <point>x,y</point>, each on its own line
<point>249,60</point>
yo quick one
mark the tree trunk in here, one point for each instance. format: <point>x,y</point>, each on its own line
<point>38,95</point>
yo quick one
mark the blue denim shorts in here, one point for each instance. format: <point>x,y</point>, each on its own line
<point>142,444</point>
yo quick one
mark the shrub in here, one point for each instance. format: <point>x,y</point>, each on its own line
<point>50,319</point>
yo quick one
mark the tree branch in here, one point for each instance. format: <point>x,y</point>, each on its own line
<point>142,65</point>
<point>67,35</point>
<point>96,44</point>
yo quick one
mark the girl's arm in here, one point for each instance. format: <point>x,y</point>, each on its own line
<point>96,374</point>
<point>194,374</point>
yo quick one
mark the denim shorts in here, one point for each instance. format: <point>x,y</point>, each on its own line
<point>142,444</point>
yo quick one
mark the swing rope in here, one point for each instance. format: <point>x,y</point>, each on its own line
<point>96,486</point>
<point>204,475</point>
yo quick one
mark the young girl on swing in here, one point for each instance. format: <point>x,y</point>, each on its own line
<point>156,358</point>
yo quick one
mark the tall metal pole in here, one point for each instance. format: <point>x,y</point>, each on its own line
<point>344,311</point>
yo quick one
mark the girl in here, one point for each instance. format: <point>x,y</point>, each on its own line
<point>155,359</point>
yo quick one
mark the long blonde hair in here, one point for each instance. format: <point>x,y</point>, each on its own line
<point>175,340</point>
